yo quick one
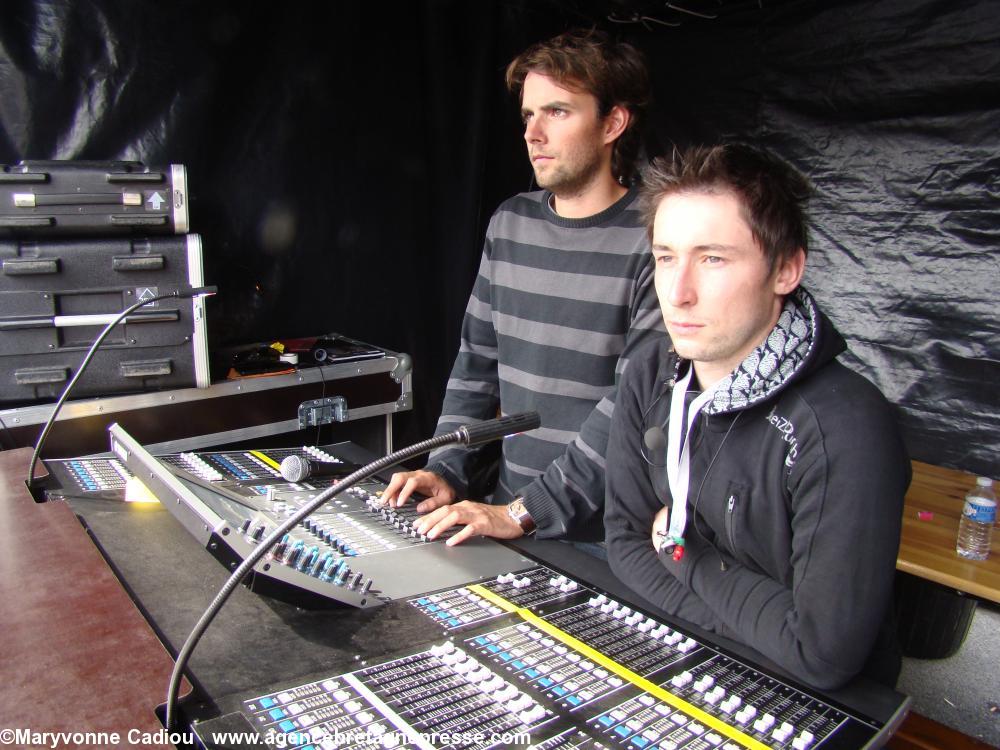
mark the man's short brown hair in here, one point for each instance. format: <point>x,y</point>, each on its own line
<point>773,195</point>
<point>612,72</point>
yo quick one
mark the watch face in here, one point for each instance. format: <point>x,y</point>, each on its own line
<point>520,514</point>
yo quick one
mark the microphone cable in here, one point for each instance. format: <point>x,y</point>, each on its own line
<point>179,294</point>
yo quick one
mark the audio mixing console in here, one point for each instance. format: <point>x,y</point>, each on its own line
<point>349,551</point>
<point>500,651</point>
<point>534,658</point>
<point>250,471</point>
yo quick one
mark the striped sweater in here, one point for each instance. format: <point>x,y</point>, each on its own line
<point>556,308</point>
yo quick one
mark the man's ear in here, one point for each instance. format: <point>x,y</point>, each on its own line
<point>616,122</point>
<point>790,272</point>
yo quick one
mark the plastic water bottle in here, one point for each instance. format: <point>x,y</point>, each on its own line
<point>975,530</point>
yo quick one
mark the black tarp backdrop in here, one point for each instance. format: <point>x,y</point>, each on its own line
<point>344,159</point>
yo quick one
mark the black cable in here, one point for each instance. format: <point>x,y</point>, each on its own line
<point>322,395</point>
<point>642,443</point>
<point>466,435</point>
<point>701,486</point>
<point>180,294</point>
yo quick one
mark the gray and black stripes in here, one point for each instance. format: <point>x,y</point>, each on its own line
<point>556,304</point>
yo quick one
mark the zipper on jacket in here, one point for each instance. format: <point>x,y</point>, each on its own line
<point>730,513</point>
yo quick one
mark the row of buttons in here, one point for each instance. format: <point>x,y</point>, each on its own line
<point>642,623</point>
<point>457,608</point>
<point>97,475</point>
<point>549,665</point>
<point>328,566</point>
<point>520,704</point>
<point>297,721</point>
<point>651,725</point>
<point>200,467</point>
<point>713,694</point>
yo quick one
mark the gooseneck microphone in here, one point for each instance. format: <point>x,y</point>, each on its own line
<point>481,432</point>
<point>196,291</point>
<point>494,429</point>
<point>298,469</point>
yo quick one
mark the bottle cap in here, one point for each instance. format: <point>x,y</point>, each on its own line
<point>984,481</point>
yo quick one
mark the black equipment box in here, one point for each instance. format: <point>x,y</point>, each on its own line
<point>48,198</point>
<point>56,296</point>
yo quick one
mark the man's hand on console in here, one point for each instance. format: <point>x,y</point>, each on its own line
<point>404,483</point>
<point>480,519</point>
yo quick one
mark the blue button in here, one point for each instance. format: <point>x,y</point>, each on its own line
<point>518,664</point>
<point>493,648</point>
<point>481,641</point>
<point>442,615</point>
<point>640,741</point>
<point>432,608</point>
<point>545,682</point>
<point>606,720</point>
<point>622,731</point>
<point>454,622</point>
<point>505,656</point>
<point>532,673</point>
<point>286,726</point>
<point>276,713</point>
<point>574,700</point>
<point>422,601</point>
<point>266,702</point>
<point>559,690</point>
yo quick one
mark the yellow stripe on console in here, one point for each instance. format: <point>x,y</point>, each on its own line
<point>495,598</point>
<point>267,459</point>
<point>624,672</point>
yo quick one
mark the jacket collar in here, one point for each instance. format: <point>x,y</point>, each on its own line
<point>787,353</point>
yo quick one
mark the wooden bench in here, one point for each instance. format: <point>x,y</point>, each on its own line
<point>927,545</point>
<point>937,591</point>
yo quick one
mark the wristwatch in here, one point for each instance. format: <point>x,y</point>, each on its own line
<point>521,516</point>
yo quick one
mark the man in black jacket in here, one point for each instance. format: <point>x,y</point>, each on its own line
<point>754,484</point>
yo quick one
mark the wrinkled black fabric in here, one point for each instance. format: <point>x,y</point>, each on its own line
<point>344,158</point>
<point>891,108</point>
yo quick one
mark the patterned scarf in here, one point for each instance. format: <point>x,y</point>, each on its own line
<point>768,367</point>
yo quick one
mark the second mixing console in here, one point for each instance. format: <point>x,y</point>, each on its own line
<point>538,659</point>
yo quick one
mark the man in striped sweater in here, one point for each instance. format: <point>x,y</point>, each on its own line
<point>564,293</point>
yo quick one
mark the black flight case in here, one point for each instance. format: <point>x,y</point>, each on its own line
<point>57,295</point>
<point>111,198</point>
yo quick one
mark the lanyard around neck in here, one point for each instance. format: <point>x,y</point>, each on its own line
<point>679,452</point>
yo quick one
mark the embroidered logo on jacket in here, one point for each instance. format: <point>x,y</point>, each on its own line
<point>787,431</point>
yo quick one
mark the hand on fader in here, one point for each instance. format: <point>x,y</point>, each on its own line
<point>404,483</point>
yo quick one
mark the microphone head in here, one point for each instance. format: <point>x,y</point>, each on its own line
<point>494,429</point>
<point>294,469</point>
<point>655,440</point>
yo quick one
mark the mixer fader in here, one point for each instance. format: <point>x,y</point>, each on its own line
<point>466,607</point>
